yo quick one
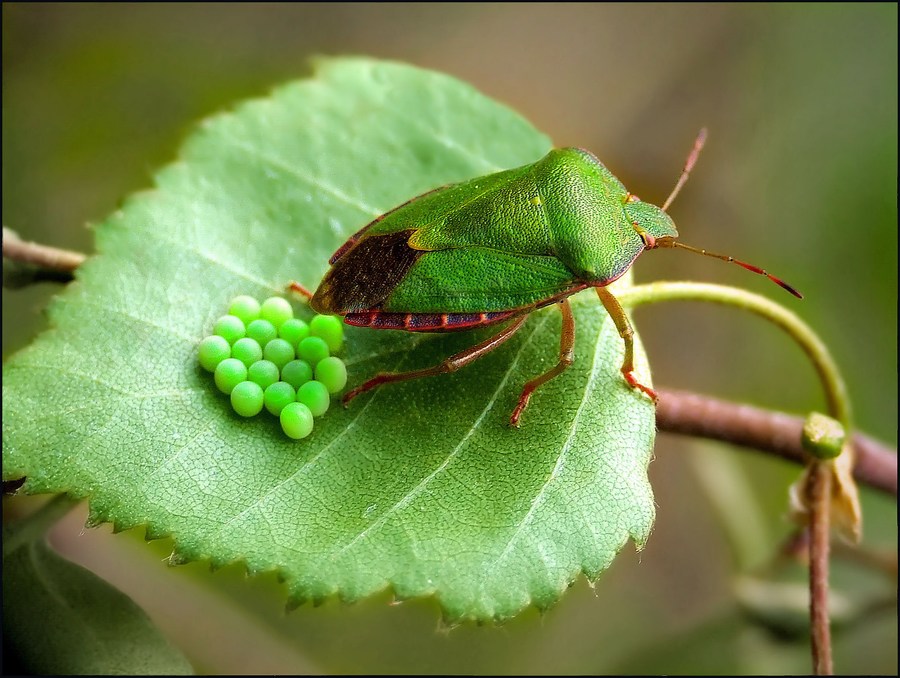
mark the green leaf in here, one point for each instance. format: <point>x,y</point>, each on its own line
<point>59,618</point>
<point>419,486</point>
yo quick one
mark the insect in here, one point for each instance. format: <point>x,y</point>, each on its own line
<point>494,249</point>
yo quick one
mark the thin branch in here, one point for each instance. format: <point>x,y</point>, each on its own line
<point>775,432</point>
<point>47,259</point>
<point>818,490</point>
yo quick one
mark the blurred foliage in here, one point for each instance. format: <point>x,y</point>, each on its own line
<point>799,176</point>
<point>60,618</point>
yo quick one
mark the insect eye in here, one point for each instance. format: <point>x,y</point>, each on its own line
<point>631,197</point>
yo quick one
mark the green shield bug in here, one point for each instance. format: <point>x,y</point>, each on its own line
<point>496,248</point>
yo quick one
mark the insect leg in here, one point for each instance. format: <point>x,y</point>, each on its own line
<point>617,313</point>
<point>451,364</point>
<point>566,356</point>
<point>300,289</point>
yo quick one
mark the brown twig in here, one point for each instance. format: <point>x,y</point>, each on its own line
<point>39,256</point>
<point>818,490</point>
<point>775,432</point>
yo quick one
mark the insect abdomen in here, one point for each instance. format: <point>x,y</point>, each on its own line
<point>426,322</point>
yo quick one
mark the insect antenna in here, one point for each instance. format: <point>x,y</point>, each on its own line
<point>688,166</point>
<point>671,242</point>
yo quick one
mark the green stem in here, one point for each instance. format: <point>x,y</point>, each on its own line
<point>833,384</point>
<point>818,485</point>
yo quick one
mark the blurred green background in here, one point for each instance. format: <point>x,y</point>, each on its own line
<point>799,176</point>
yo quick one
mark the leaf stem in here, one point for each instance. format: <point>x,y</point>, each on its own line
<point>43,257</point>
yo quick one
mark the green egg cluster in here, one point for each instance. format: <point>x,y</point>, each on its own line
<point>262,357</point>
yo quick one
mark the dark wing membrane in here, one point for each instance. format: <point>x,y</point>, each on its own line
<point>366,274</point>
<point>353,239</point>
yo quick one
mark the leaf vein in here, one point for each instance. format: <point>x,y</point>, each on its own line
<point>309,179</point>
<point>307,464</point>
<point>142,321</point>
<point>407,498</point>
<point>206,256</point>
<point>588,389</point>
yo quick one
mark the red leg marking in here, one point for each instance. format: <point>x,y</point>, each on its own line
<point>617,313</point>
<point>634,383</point>
<point>521,405</point>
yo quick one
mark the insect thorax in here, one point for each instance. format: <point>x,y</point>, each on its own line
<point>585,206</point>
